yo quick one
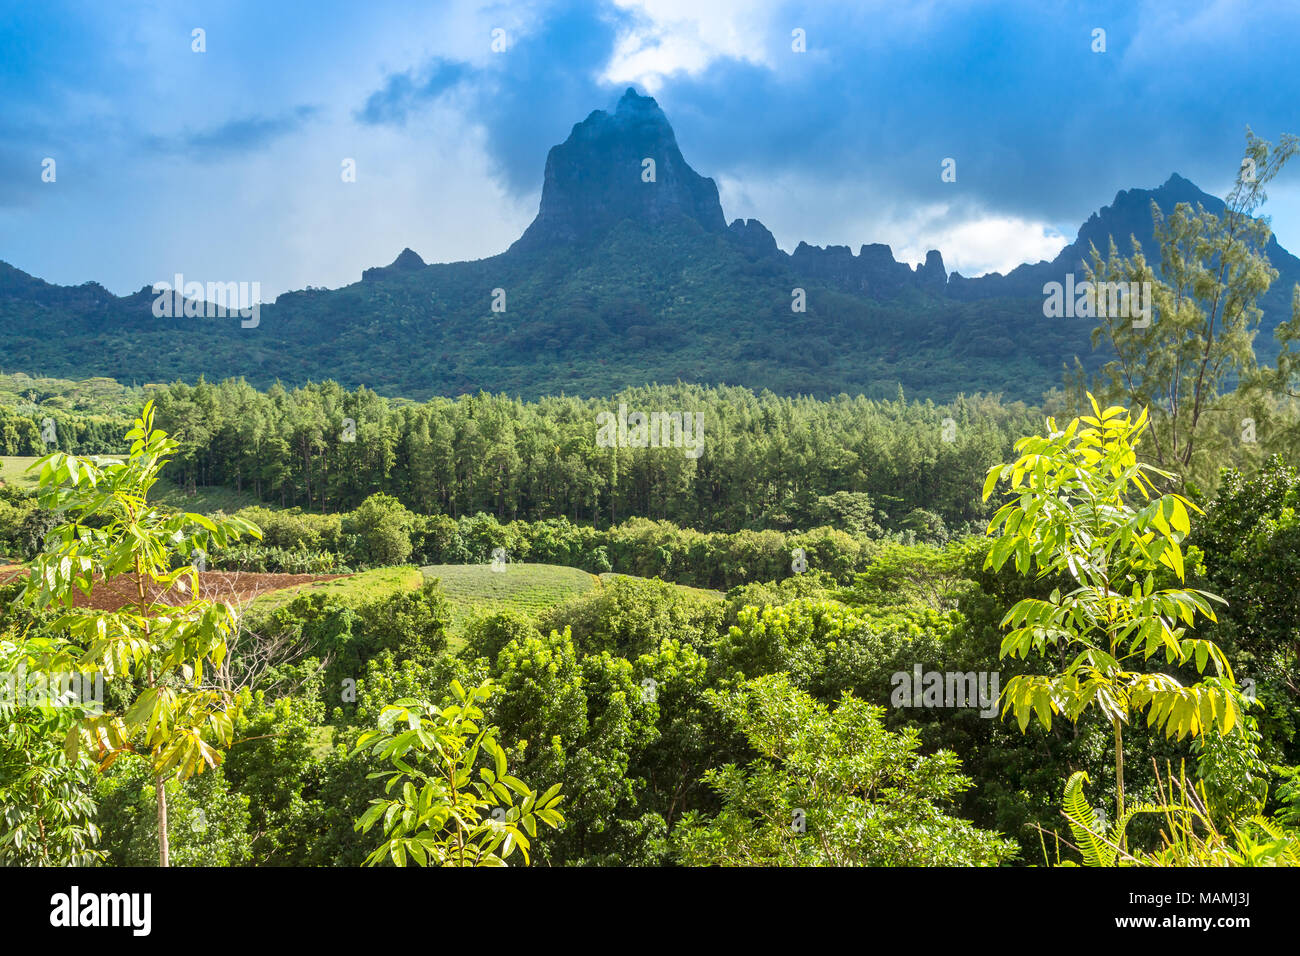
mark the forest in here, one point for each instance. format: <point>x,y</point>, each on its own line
<point>639,695</point>
<point>316,626</point>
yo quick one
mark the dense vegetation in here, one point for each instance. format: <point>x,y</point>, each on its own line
<point>848,632</point>
<point>645,706</point>
<point>766,461</point>
<point>639,305</point>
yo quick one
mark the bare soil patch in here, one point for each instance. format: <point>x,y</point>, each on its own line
<point>233,587</point>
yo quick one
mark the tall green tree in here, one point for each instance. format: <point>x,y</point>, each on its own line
<point>155,651</point>
<point>47,813</point>
<point>1084,507</point>
<point>830,787</point>
<point>1178,361</point>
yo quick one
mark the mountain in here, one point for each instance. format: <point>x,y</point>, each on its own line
<point>407,260</point>
<point>629,274</point>
<point>1130,216</point>
<point>624,166</point>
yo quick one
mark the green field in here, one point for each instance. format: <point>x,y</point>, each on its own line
<point>360,588</point>
<point>12,468</point>
<point>530,588</point>
<point>471,589</point>
<point>204,500</point>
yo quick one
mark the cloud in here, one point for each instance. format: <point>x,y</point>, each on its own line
<point>1043,129</point>
<point>991,244</point>
<point>665,38</point>
<point>403,92</point>
<point>239,135</point>
<point>972,239</point>
<point>525,98</point>
<point>839,144</point>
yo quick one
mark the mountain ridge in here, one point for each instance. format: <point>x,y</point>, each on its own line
<point>629,272</point>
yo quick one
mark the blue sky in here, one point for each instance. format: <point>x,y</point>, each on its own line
<point>225,165</point>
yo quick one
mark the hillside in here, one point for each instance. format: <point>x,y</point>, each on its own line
<point>474,589</point>
<point>360,588</point>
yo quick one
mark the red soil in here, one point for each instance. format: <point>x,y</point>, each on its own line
<point>233,587</point>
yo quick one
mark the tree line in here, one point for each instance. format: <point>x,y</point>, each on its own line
<point>767,461</point>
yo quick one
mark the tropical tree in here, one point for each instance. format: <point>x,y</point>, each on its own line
<point>579,719</point>
<point>1073,515</point>
<point>441,815</point>
<point>1197,341</point>
<point>382,526</point>
<point>47,813</point>
<point>830,788</point>
<point>154,651</point>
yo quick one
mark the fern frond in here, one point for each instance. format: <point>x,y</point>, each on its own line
<point>1096,850</point>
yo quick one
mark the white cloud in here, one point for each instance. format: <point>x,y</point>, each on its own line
<point>988,244</point>
<point>972,240</point>
<point>686,36</point>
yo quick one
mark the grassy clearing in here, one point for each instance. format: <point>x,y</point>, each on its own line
<point>359,588</point>
<point>475,589</point>
<point>204,500</point>
<point>12,468</point>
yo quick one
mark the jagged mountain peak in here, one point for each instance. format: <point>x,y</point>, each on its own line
<point>618,166</point>
<point>1129,214</point>
<point>408,260</point>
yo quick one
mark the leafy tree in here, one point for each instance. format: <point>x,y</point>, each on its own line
<point>442,814</point>
<point>486,635</point>
<point>1250,541</point>
<point>830,788</point>
<point>156,650</point>
<point>383,528</point>
<point>689,736</point>
<point>208,820</point>
<point>1073,515</point>
<point>579,720</point>
<point>915,573</point>
<point>850,511</point>
<point>274,766</point>
<point>629,617</point>
<point>1177,361</point>
<point>46,808</point>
